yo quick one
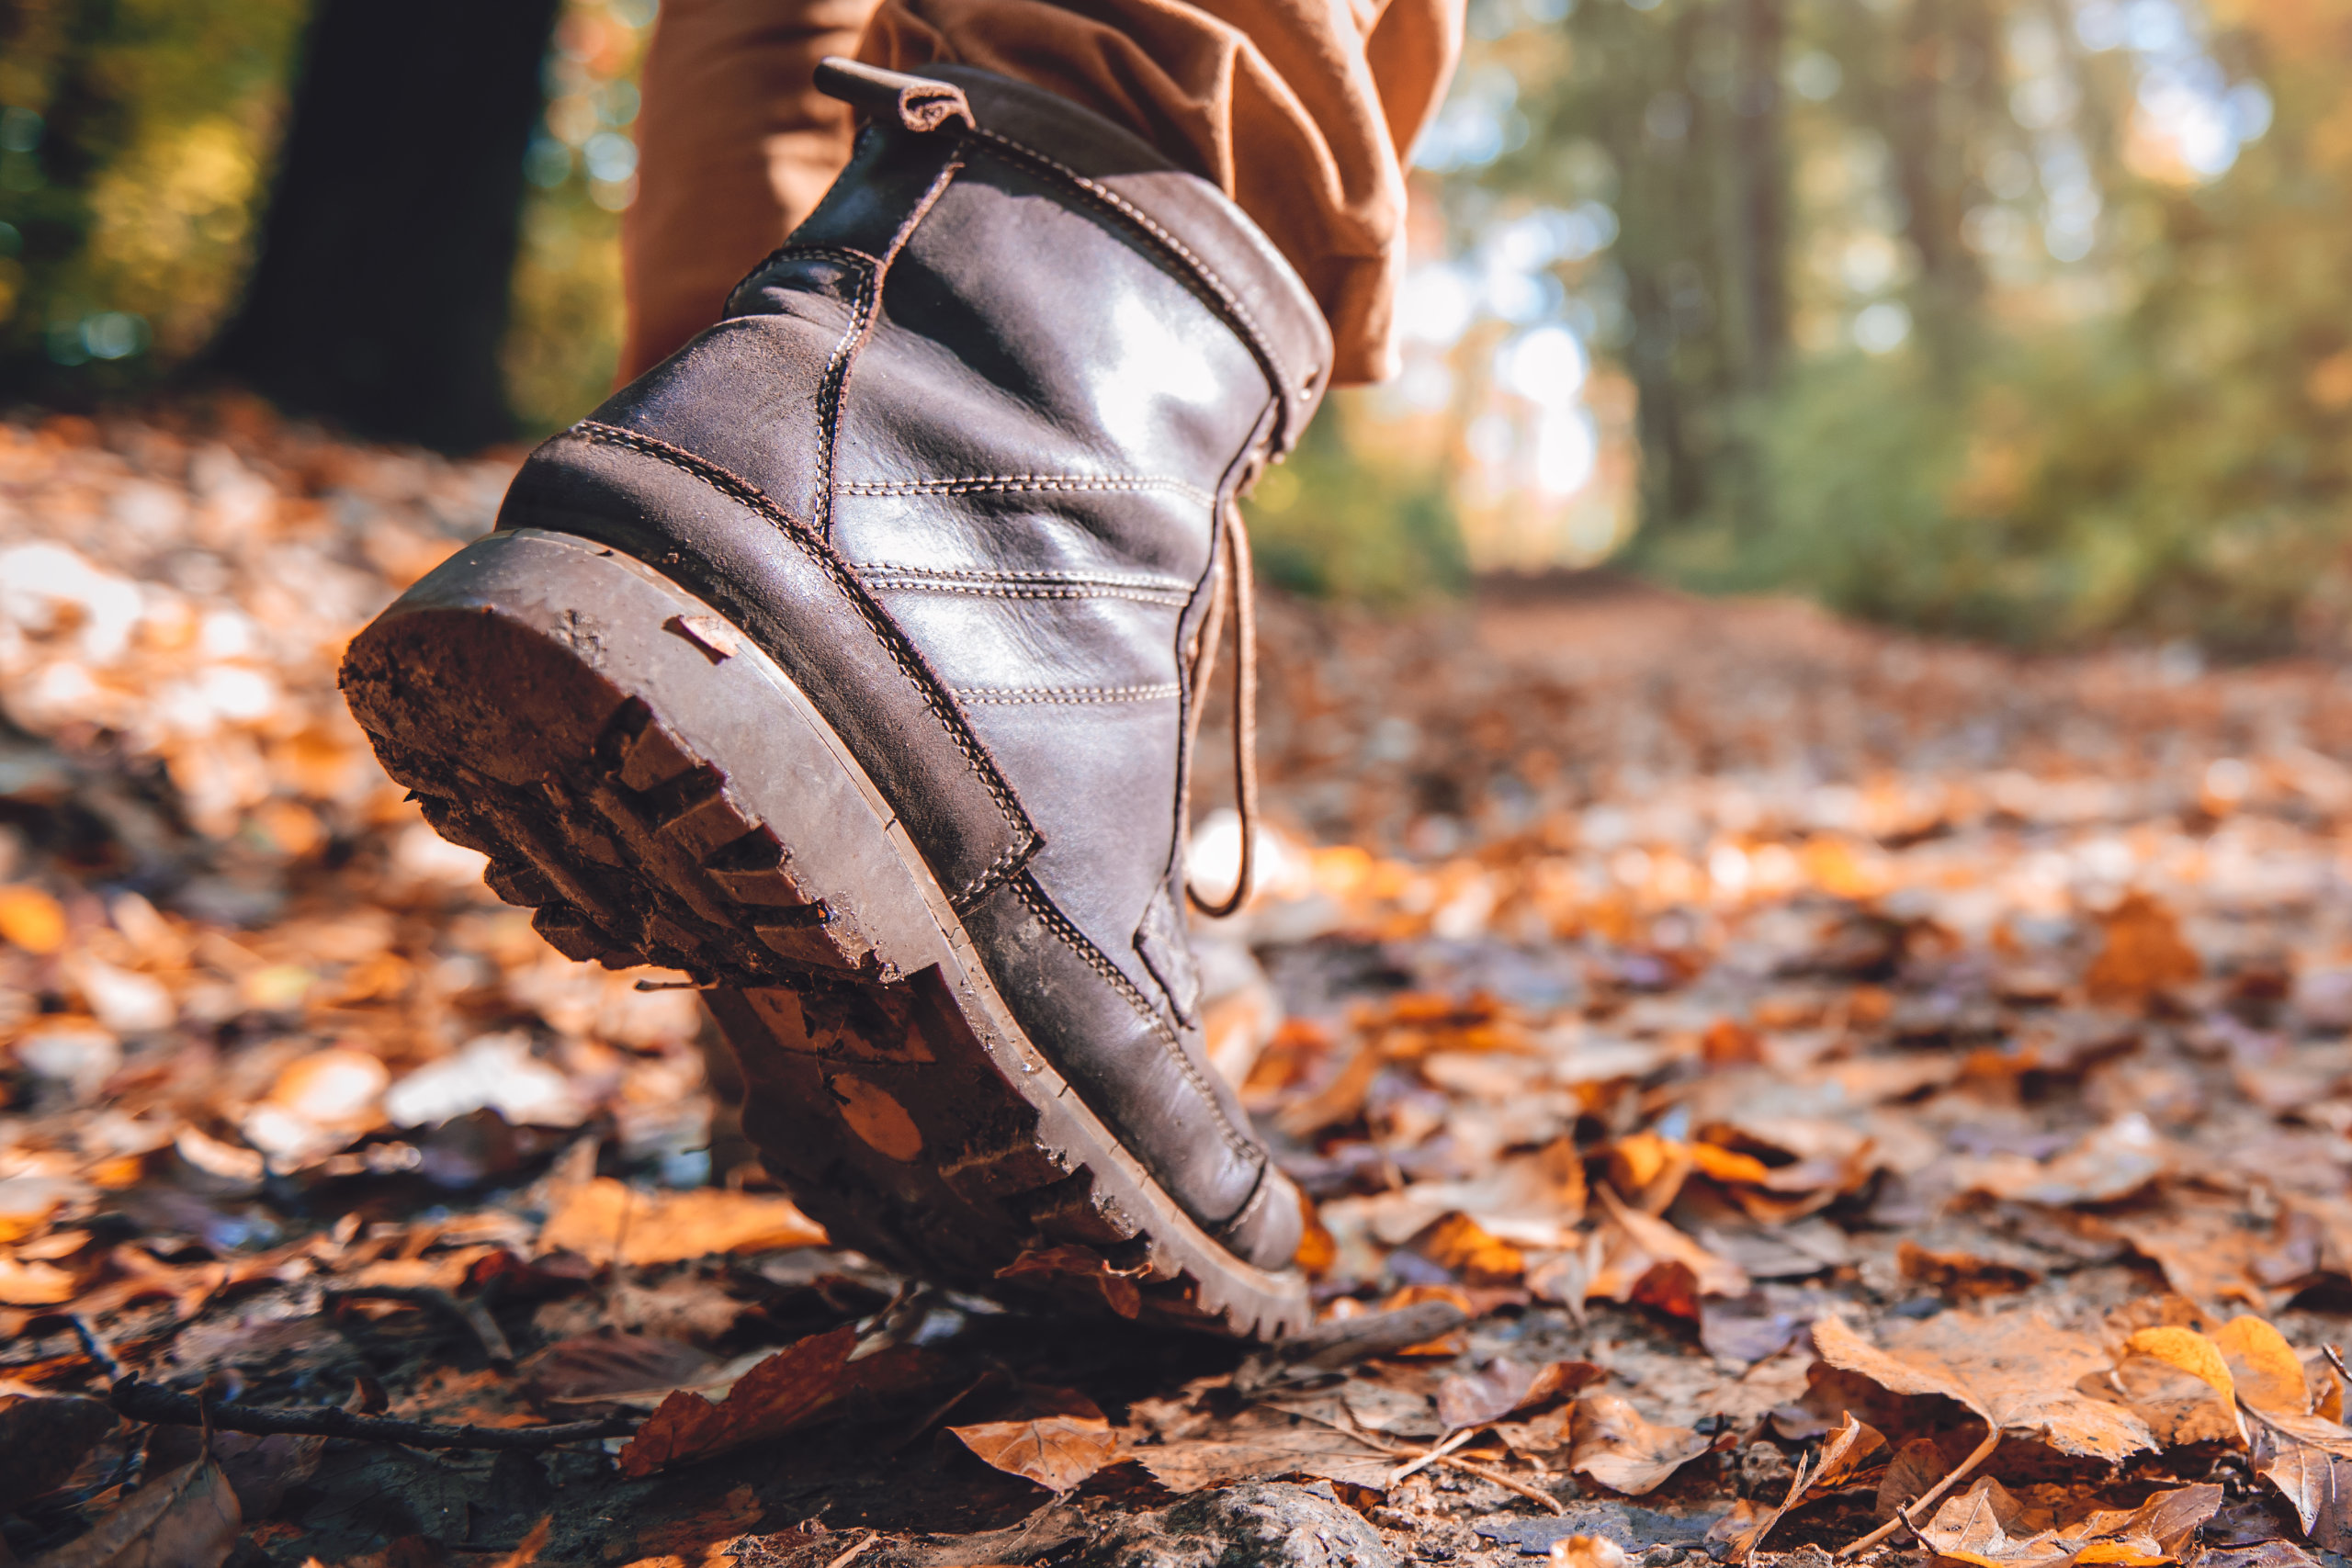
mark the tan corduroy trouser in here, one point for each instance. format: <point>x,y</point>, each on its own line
<point>1303,111</point>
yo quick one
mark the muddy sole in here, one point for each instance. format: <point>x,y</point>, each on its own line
<point>647,779</point>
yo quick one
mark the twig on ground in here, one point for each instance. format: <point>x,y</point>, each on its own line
<point>472,1315</point>
<point>845,1559</point>
<point>1508,1483</point>
<point>95,1346</point>
<point>1902,1519</point>
<point>1430,1456</point>
<point>146,1401</point>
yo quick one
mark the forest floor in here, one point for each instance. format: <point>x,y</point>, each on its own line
<point>1801,1084</point>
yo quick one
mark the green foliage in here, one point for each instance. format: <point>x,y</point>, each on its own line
<point>1336,522</point>
<point>564,341</point>
<point>2039,373</point>
<point>135,137</point>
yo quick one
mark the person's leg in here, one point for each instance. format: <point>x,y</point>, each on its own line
<point>1303,111</point>
<point>735,147</point>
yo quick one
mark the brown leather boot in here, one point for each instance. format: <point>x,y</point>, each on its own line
<point>849,661</point>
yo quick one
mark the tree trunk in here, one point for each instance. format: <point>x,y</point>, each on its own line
<point>1759,180</point>
<point>380,295</point>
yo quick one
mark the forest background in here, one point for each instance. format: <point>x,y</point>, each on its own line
<point>2024,319</point>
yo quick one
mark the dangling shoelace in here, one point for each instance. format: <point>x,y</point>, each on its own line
<point>1238,583</point>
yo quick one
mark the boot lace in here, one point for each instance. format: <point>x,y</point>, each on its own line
<point>1235,582</point>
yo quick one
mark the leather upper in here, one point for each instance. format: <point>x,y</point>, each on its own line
<point>958,459</point>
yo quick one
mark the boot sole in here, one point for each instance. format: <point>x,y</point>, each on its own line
<point>657,788</point>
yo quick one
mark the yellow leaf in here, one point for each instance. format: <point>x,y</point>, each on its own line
<point>2269,1374</point>
<point>1728,1165</point>
<point>32,920</point>
<point>2188,1350</point>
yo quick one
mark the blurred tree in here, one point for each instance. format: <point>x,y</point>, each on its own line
<point>134,135</point>
<point>381,294</point>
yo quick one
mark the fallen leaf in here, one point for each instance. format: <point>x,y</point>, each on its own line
<point>2017,1372</point>
<point>42,1438</point>
<point>261,1468</point>
<point>1469,1253</point>
<point>2262,1554</point>
<point>1962,1276</point>
<point>605,1219</point>
<point>36,1284</point>
<point>1747,1329</point>
<point>1058,1452</point>
<point>1974,1526</point>
<point>1503,1387</point>
<point>2188,1350</point>
<point>2174,1379</point>
<point>1839,1453</point>
<point>2265,1372</point>
<point>609,1366</point>
<point>32,920</point>
<point>799,1386</point>
<point>1618,1447</point>
<point>2211,1250</point>
<point>183,1518</point>
<point>2112,1162</point>
<point>1642,1242</point>
<point>1587,1552</point>
<point>2143,953</point>
<point>1262,1442</point>
<point>1985,1525</point>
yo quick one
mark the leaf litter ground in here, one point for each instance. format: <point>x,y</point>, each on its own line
<point>1768,1089</point>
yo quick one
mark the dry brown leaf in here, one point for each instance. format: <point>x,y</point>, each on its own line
<point>2113,1162</point>
<point>1964,1276</point>
<point>2307,1457</point>
<point>2143,953</point>
<point>42,1440</point>
<point>1840,1451</point>
<point>605,1219</point>
<point>2262,1554</point>
<point>2017,1372</point>
<point>1341,1100</point>
<point>1986,1525</point>
<point>1262,1442</point>
<point>590,1369</point>
<point>1057,1451</point>
<point>1640,1243</point>
<point>2211,1249</point>
<point>36,1284</point>
<point>2173,1380</point>
<point>1503,1387</point>
<point>186,1517</point>
<point>799,1387</point>
<point>1618,1447</point>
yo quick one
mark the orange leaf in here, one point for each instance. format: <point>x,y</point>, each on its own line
<point>2145,953</point>
<point>2269,1374</point>
<point>2188,1350</point>
<point>799,1386</point>
<point>1057,1452</point>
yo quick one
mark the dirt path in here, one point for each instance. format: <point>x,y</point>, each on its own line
<point>1774,1061</point>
